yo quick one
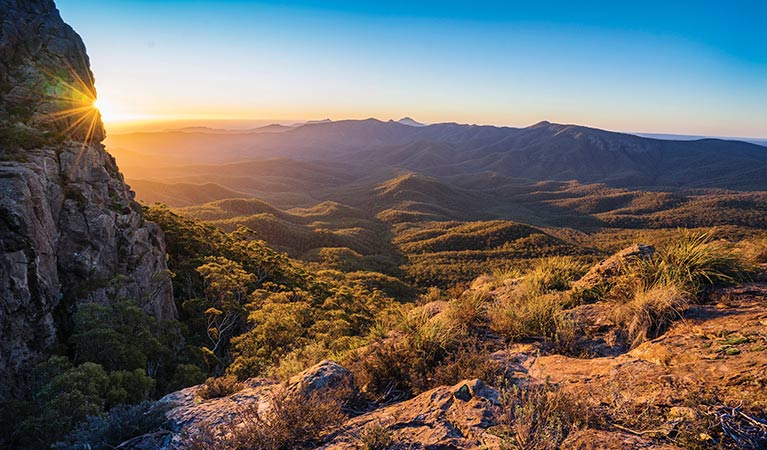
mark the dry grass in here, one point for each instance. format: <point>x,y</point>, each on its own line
<point>292,421</point>
<point>518,316</point>
<point>218,387</point>
<point>755,251</point>
<point>469,311</point>
<point>651,310</point>
<point>691,262</point>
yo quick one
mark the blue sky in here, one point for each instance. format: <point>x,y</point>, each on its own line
<point>676,67</point>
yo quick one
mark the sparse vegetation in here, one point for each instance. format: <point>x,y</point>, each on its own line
<point>376,437</point>
<point>218,387</point>
<point>538,417</point>
<point>291,421</point>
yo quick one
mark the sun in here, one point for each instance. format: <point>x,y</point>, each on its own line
<point>104,108</point>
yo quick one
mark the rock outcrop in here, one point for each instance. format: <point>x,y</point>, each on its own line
<point>70,230</point>
<point>602,274</point>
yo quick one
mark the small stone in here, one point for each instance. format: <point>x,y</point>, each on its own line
<point>463,393</point>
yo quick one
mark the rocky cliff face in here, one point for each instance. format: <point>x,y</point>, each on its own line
<point>70,231</point>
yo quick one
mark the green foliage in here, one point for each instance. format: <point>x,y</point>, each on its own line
<point>104,432</point>
<point>117,336</point>
<point>66,395</point>
<point>19,138</point>
<point>691,262</point>
<point>554,274</point>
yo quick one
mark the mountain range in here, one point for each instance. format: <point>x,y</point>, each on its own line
<point>541,152</point>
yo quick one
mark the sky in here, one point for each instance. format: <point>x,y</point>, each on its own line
<point>686,67</point>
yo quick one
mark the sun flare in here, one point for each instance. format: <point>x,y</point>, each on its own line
<point>104,109</point>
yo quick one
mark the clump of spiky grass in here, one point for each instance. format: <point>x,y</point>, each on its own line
<point>554,274</point>
<point>503,276</point>
<point>376,436</point>
<point>469,310</point>
<point>517,316</point>
<point>658,290</point>
<point>692,262</point>
<point>651,310</point>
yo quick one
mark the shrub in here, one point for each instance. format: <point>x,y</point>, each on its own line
<point>472,359</point>
<point>403,365</point>
<point>651,310</point>
<point>376,436</point>
<point>107,431</point>
<point>292,421</point>
<point>218,387</point>
<point>538,417</point>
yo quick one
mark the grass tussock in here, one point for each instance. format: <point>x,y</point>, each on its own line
<point>554,274</point>
<point>469,310</point>
<point>658,290</point>
<point>651,310</point>
<point>755,251</point>
<point>692,262</point>
<point>519,316</point>
<point>376,436</point>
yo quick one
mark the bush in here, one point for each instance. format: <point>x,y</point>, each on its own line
<point>403,366</point>
<point>218,387</point>
<point>376,437</point>
<point>292,421</point>
<point>538,417</point>
<point>107,431</point>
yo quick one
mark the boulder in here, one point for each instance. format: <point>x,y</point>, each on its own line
<point>449,417</point>
<point>326,374</point>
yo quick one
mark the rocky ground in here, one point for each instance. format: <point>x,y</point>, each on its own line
<point>660,395</point>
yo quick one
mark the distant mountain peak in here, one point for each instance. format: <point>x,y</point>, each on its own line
<point>313,122</point>
<point>410,122</point>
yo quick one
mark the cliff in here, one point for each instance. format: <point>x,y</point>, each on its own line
<point>70,230</point>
